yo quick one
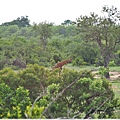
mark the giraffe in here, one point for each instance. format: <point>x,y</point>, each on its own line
<point>61,64</point>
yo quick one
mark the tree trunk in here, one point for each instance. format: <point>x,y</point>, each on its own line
<point>105,56</point>
<point>44,43</point>
<point>107,75</point>
<point>106,62</point>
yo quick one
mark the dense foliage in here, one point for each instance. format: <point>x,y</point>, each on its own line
<point>37,92</point>
<point>28,86</point>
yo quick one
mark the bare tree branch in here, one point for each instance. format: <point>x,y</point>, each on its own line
<point>101,105</point>
<point>60,94</point>
<point>88,113</point>
<point>39,97</point>
<point>76,115</point>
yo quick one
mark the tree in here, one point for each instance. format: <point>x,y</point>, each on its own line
<point>102,30</point>
<point>20,22</point>
<point>45,32</point>
<point>67,22</point>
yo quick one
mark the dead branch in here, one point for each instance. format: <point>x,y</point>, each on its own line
<point>39,97</point>
<point>96,109</point>
<point>60,94</point>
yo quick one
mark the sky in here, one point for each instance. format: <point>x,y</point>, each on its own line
<point>56,11</point>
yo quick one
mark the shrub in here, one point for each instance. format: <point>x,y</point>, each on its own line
<point>112,63</point>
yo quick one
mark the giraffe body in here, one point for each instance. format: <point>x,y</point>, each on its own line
<point>60,64</point>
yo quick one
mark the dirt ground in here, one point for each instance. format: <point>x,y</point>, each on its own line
<point>113,75</point>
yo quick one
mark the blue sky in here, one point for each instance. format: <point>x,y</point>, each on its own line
<point>51,10</point>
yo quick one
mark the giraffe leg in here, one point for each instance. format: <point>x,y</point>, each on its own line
<point>60,70</point>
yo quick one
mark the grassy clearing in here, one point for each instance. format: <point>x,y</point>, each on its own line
<point>115,69</point>
<point>80,68</point>
<point>116,88</point>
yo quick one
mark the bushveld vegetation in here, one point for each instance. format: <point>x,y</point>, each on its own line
<point>29,88</point>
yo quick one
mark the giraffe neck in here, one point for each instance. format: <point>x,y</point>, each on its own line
<point>64,62</point>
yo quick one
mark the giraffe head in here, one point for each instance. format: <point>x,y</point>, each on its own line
<point>70,59</point>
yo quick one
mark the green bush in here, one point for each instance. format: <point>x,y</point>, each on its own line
<point>112,63</point>
<point>54,94</point>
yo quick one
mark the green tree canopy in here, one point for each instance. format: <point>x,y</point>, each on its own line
<point>20,22</point>
<point>44,30</point>
<point>102,30</point>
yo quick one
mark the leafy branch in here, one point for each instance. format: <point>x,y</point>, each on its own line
<point>60,94</point>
